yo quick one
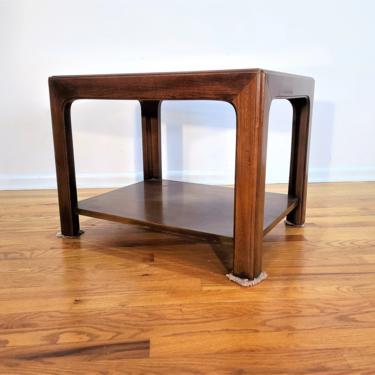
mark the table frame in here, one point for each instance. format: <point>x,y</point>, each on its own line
<point>249,91</point>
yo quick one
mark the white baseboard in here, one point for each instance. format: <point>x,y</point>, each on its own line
<point>211,177</point>
<point>342,174</point>
<point>102,180</point>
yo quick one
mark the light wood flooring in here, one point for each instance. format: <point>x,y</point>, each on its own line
<point>124,299</point>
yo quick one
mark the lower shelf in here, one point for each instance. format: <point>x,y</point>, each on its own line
<point>180,207</point>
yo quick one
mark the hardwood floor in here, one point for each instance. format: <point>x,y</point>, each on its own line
<point>123,299</point>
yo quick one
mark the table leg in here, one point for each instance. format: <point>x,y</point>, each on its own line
<point>151,139</point>
<point>299,159</point>
<point>65,171</point>
<point>252,107</point>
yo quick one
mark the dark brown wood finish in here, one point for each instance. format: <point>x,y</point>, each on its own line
<point>249,91</point>
<point>299,158</point>
<point>180,207</point>
<point>251,147</point>
<point>151,139</point>
<point>300,92</point>
<point>252,109</point>
<point>64,158</point>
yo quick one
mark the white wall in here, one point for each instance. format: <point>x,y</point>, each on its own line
<point>332,41</point>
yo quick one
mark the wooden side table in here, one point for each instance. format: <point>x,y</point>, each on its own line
<point>244,214</point>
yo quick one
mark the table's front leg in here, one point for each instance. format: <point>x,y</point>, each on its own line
<point>252,107</point>
<point>64,158</point>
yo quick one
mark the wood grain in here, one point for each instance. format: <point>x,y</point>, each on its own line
<point>180,207</point>
<point>151,139</point>
<point>125,299</point>
<point>249,91</point>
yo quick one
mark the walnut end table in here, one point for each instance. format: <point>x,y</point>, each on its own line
<point>243,214</point>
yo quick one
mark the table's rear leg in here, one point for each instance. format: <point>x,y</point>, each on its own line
<point>299,159</point>
<point>151,139</point>
<point>65,171</point>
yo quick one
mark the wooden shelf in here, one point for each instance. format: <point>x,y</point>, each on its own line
<point>180,207</point>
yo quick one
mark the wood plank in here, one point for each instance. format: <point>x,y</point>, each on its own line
<point>180,207</point>
<point>127,299</point>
